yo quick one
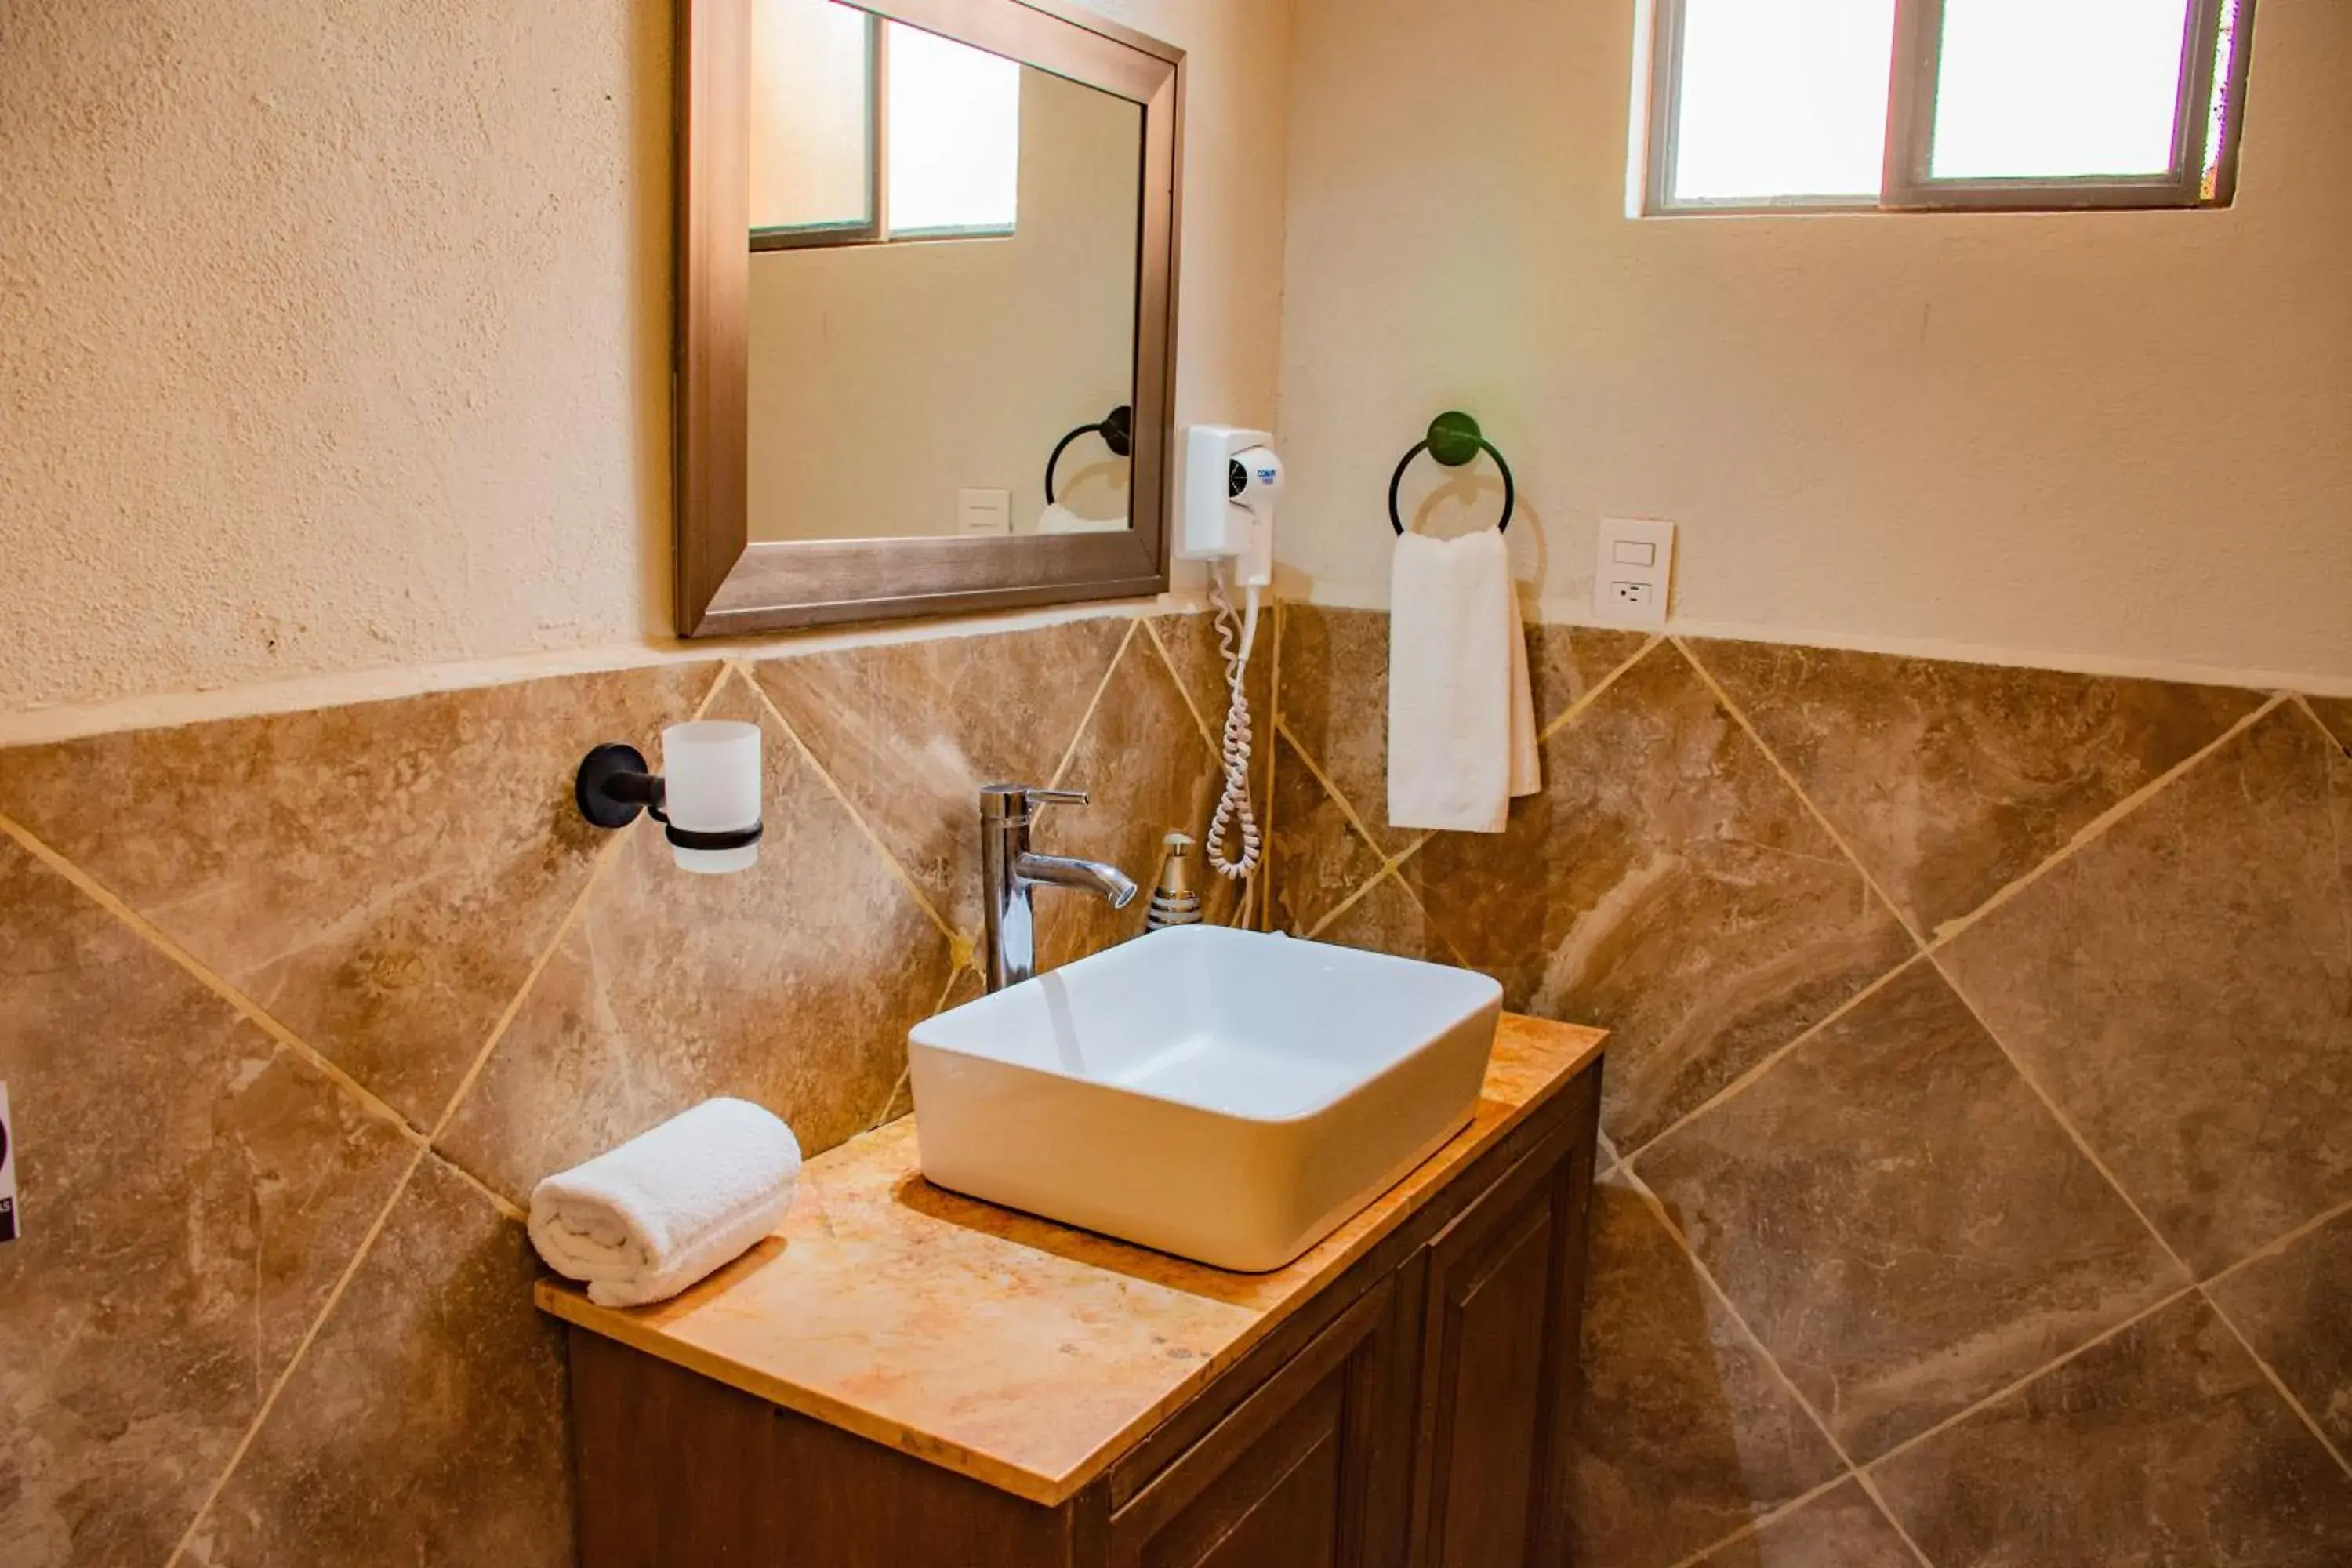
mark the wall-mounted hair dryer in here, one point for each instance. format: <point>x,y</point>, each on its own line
<point>1232,479</point>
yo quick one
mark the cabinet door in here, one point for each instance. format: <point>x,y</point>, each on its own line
<point>1500,1304</point>
<point>1282,1481</point>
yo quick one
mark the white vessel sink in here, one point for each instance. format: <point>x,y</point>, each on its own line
<point>1224,1095</point>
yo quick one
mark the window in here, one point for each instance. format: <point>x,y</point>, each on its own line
<point>865,131</point>
<point>1927,105</point>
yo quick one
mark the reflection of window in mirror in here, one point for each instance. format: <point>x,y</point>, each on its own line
<point>865,131</point>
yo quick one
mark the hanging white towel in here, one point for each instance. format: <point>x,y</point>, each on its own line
<point>644,1221</point>
<point>1462,723</point>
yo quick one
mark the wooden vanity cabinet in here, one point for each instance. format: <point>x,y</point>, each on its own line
<point>1414,1414</point>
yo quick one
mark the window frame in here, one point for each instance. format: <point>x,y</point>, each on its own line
<point>875,229</point>
<point>1906,184</point>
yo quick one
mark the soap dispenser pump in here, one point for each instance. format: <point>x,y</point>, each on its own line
<point>1175,900</point>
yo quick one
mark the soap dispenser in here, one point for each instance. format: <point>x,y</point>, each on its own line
<point>1175,900</point>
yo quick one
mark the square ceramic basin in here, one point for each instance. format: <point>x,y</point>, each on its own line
<point>1226,1096</point>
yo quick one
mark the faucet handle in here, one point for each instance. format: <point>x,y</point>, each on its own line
<point>1014,802</point>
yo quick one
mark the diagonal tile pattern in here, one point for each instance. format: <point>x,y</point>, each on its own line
<point>1928,1191</point>
<point>2335,714</point>
<point>2290,1303</point>
<point>1317,856</point>
<point>670,988</point>
<point>1840,1529</point>
<point>432,1397</point>
<point>379,876</point>
<point>1150,772</point>
<point>191,1190</point>
<point>2162,1444</point>
<point>1968,1241</point>
<point>243,1279</point>
<point>910,730</point>
<point>2202,1041</point>
<point>1951,781</point>
<point>1665,882</point>
<point>1687,1432</point>
<point>313,1339</point>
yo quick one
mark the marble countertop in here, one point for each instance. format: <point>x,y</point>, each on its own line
<point>1007,1347</point>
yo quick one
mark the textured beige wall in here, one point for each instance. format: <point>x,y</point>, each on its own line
<point>2085,439</point>
<point>334,336</point>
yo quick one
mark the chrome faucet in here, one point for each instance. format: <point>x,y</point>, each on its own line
<point>1009,868</point>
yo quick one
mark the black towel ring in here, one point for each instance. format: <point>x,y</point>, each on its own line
<point>1453,440</point>
<point>1117,431</point>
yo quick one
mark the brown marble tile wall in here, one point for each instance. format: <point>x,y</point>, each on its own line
<point>294,1010</point>
<point>1980,1100</point>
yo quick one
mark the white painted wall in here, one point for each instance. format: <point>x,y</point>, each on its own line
<point>2118,439</point>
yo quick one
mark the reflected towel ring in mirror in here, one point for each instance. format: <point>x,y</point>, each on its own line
<point>1453,440</point>
<point>1117,431</point>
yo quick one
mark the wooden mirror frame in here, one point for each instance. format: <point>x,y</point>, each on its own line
<point>727,583</point>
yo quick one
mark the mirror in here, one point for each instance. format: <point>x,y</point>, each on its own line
<point>942,295</point>
<point>931,372</point>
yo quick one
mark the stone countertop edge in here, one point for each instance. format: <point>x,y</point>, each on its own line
<point>1020,1352</point>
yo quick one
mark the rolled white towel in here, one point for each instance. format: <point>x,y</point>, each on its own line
<point>641,1222</point>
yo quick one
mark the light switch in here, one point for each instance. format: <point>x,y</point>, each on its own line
<point>984,511</point>
<point>1632,574</point>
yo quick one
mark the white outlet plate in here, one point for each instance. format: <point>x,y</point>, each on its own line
<point>984,511</point>
<point>1632,572</point>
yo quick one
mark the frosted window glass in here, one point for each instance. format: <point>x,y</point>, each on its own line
<point>1783,98</point>
<point>955,135</point>
<point>2044,88</point>
<point>809,114</point>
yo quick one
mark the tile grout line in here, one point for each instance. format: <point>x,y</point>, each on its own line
<point>1576,707</point>
<point>1200,721</point>
<point>424,1149</point>
<point>1739,1319</point>
<point>1346,807</point>
<point>2065,1122</point>
<point>1086,719</point>
<point>2278,1245</point>
<point>2303,700</point>
<point>2276,1382</point>
<point>1756,1525</point>
<point>1869,1485</point>
<point>1355,819</point>
<point>1739,717</point>
<point>606,855</point>
<point>1930,947</point>
<point>2098,827</point>
<point>959,945</point>
<point>1430,920</point>
<point>1749,1079</point>
<point>2025,1379</point>
<point>226,991</point>
<point>293,1363</point>
<point>1332,916</point>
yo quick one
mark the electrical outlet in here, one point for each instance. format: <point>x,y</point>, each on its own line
<point>1634,572</point>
